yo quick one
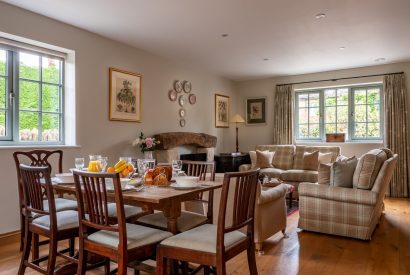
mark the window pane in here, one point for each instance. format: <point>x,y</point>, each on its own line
<point>50,98</point>
<point>330,114</point>
<point>343,96</point>
<point>330,97</point>
<point>3,123</point>
<point>360,113</point>
<point>28,95</point>
<point>373,96</point>
<point>28,126</point>
<point>303,100</point>
<point>3,92</point>
<point>314,100</point>
<point>330,128</point>
<point>373,130</point>
<point>303,115</point>
<point>373,114</point>
<point>29,66</point>
<point>342,114</point>
<point>51,129</point>
<point>360,97</point>
<point>314,131</point>
<point>314,115</point>
<point>342,128</point>
<point>360,130</point>
<point>50,70</point>
<point>303,131</point>
<point>3,62</point>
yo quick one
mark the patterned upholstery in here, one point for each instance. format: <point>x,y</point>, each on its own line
<point>301,149</point>
<point>344,211</point>
<point>283,157</point>
<point>272,172</point>
<point>299,175</point>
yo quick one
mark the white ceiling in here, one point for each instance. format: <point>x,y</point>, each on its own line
<point>285,31</point>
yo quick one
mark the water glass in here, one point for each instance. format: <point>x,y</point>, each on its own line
<point>127,159</point>
<point>79,163</point>
<point>103,162</point>
<point>176,166</point>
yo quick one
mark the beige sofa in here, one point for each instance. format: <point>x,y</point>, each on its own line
<point>288,162</point>
<point>349,212</point>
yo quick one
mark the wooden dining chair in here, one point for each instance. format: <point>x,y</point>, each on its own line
<point>214,245</point>
<point>122,242</point>
<point>40,158</point>
<point>195,214</point>
<point>43,220</point>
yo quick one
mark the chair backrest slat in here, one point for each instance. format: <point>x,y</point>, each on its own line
<point>199,169</point>
<point>245,184</point>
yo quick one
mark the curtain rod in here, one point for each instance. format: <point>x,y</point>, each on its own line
<point>336,79</point>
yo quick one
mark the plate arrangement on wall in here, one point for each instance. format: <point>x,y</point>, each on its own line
<point>184,98</point>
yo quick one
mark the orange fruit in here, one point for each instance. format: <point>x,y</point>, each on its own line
<point>130,167</point>
<point>124,173</point>
<point>110,170</point>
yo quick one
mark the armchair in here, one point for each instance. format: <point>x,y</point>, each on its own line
<point>344,211</point>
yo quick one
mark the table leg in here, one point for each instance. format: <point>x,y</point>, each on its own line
<point>172,214</point>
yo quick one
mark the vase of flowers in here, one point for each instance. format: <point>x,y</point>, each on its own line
<point>146,144</point>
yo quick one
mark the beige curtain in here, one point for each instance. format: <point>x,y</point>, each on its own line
<point>283,115</point>
<point>396,132</point>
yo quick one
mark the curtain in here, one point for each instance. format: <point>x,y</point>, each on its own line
<point>283,115</point>
<point>396,132</point>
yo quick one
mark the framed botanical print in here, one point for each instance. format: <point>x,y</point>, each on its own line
<point>125,95</point>
<point>256,110</point>
<point>221,111</point>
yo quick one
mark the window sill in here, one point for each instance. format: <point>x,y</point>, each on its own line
<point>350,142</point>
<point>32,146</point>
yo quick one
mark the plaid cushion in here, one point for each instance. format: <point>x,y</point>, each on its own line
<point>283,157</point>
<point>301,149</point>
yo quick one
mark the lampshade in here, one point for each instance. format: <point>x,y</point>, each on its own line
<point>237,119</point>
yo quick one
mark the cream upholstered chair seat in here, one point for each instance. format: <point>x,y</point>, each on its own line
<point>203,238</point>
<point>65,220</point>
<point>129,210</point>
<point>61,204</point>
<point>137,236</point>
<point>186,221</point>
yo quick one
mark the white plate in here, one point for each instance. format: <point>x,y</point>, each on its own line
<point>179,187</point>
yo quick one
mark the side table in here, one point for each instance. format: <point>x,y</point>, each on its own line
<point>230,163</point>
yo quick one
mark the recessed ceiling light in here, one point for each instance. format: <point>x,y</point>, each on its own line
<point>342,48</point>
<point>381,59</point>
<point>224,35</point>
<point>266,59</point>
<point>320,16</point>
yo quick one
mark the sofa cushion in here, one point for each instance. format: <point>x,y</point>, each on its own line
<point>252,155</point>
<point>283,158</point>
<point>325,158</point>
<point>264,159</point>
<point>367,169</point>
<point>301,149</point>
<point>311,160</point>
<point>324,173</point>
<point>299,175</point>
<point>388,152</point>
<point>341,172</point>
<point>272,172</point>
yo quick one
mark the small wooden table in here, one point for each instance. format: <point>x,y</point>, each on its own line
<point>165,199</point>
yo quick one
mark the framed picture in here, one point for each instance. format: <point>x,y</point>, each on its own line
<point>125,95</point>
<point>221,111</point>
<point>256,110</point>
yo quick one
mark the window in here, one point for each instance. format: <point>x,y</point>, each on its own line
<point>31,97</point>
<point>355,111</point>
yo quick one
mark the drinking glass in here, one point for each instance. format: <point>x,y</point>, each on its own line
<point>176,167</point>
<point>103,162</point>
<point>127,159</point>
<point>142,167</point>
<point>79,163</point>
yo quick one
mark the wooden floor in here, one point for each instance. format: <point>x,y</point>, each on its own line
<point>311,253</point>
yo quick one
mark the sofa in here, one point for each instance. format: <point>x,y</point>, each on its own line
<point>288,162</point>
<point>350,212</point>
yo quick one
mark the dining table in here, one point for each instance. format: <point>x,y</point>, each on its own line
<point>166,199</point>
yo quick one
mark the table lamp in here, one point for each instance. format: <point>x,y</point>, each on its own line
<point>237,119</point>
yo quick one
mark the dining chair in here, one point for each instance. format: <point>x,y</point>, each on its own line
<point>40,158</point>
<point>195,214</point>
<point>122,242</point>
<point>41,219</point>
<point>213,245</point>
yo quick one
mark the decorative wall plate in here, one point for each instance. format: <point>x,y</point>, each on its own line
<point>172,95</point>
<point>178,86</point>
<point>182,100</point>
<point>192,99</point>
<point>182,112</point>
<point>182,122</point>
<point>187,86</point>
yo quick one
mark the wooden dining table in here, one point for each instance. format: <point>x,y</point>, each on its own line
<point>166,199</point>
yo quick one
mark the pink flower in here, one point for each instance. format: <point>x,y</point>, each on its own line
<point>149,142</point>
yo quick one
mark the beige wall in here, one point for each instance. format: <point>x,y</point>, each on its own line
<point>95,133</point>
<point>250,136</point>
